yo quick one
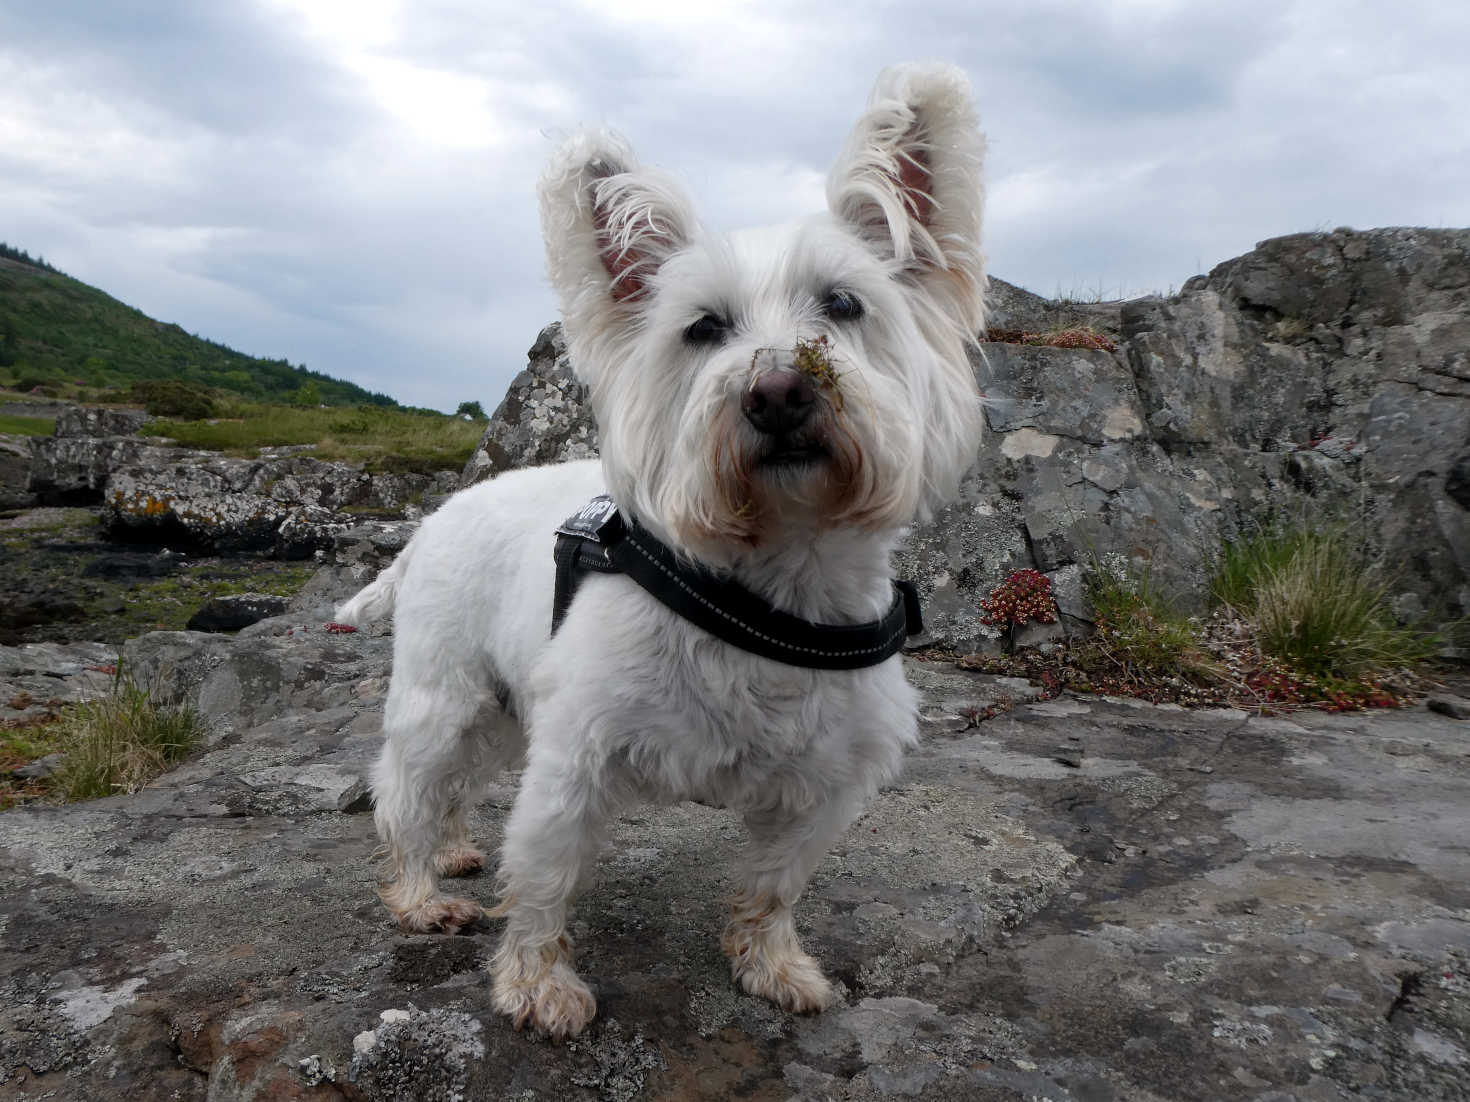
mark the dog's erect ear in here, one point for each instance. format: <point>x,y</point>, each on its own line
<point>908,182</point>
<point>609,224</point>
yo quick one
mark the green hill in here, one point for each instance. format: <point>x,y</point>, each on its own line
<point>58,332</point>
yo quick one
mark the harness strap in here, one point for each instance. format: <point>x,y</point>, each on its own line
<point>598,539</point>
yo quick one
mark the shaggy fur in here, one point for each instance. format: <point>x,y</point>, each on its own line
<point>679,334</point>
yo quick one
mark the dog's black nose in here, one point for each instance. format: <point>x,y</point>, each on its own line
<point>779,401</point>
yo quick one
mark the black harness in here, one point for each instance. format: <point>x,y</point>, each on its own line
<point>599,539</point>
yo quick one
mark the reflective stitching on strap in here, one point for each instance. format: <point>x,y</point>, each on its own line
<point>630,538</point>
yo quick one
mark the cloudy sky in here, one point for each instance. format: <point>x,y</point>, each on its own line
<point>350,184</point>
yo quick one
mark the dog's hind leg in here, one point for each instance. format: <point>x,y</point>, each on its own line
<point>457,854</point>
<point>766,958</point>
<point>429,767</point>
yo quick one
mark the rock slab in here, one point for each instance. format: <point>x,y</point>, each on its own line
<point>1211,905</point>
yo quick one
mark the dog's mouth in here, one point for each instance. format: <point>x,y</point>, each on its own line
<point>789,453</point>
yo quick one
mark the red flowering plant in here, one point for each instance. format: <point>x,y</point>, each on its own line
<point>1023,598</point>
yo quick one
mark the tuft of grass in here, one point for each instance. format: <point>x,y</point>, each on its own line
<point>118,743</point>
<point>1323,612</point>
<point>1245,563</point>
<point>1139,630</point>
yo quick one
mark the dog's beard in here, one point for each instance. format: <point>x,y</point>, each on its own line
<point>760,488</point>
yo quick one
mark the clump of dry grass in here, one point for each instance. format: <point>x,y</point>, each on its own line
<point>1316,600</point>
<point>119,742</point>
<point>814,358</point>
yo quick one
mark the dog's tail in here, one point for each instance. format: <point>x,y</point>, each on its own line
<point>375,602</point>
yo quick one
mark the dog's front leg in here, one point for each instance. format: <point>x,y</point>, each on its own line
<point>551,837</point>
<point>760,939</point>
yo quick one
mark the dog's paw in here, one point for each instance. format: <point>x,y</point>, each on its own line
<point>440,915</point>
<point>794,983</point>
<point>458,861</point>
<point>555,1002</point>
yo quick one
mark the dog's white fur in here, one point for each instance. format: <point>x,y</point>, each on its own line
<point>628,702</point>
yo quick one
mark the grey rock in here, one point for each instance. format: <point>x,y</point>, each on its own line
<point>15,472</point>
<point>236,611</point>
<point>99,421</point>
<point>1000,925</point>
<point>35,678</point>
<point>1321,375</point>
<point>1456,707</point>
<point>291,506</point>
<point>38,769</point>
<point>76,468</point>
<point>544,417</point>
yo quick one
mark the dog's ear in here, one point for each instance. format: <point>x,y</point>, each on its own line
<point>608,223</point>
<point>908,182</point>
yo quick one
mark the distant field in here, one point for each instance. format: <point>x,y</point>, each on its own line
<point>26,426</point>
<point>380,439</point>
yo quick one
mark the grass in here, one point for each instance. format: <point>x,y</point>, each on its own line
<point>1140,632</point>
<point>119,742</point>
<point>1317,602</point>
<point>26,426</point>
<point>114,744</point>
<point>383,440</point>
<point>1061,336</point>
<point>1301,620</point>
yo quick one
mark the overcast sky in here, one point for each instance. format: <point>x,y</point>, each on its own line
<point>350,184</point>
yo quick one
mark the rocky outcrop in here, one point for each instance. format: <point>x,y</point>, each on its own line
<point>291,506</point>
<point>92,421</point>
<point>1321,375</point>
<point>543,418</point>
<point>15,472</point>
<point>284,502</point>
<point>1194,904</point>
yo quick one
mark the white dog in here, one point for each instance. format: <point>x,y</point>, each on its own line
<point>775,406</point>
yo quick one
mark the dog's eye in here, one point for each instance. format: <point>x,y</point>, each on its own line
<point>843,306</point>
<point>709,329</point>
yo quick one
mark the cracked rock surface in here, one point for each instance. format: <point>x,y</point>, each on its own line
<point>1212,905</point>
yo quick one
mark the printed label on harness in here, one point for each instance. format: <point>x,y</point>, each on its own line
<point>590,521</point>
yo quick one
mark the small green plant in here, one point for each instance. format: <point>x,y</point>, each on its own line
<point>119,742</point>
<point>1024,597</point>
<point>1140,631</point>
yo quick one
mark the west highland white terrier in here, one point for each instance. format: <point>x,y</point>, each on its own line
<point>775,406</point>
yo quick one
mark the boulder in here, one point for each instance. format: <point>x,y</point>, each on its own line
<point>74,421</point>
<point>544,418</point>
<point>236,611</point>
<point>357,556</point>
<point>75,469</point>
<point>15,472</point>
<point>290,506</point>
